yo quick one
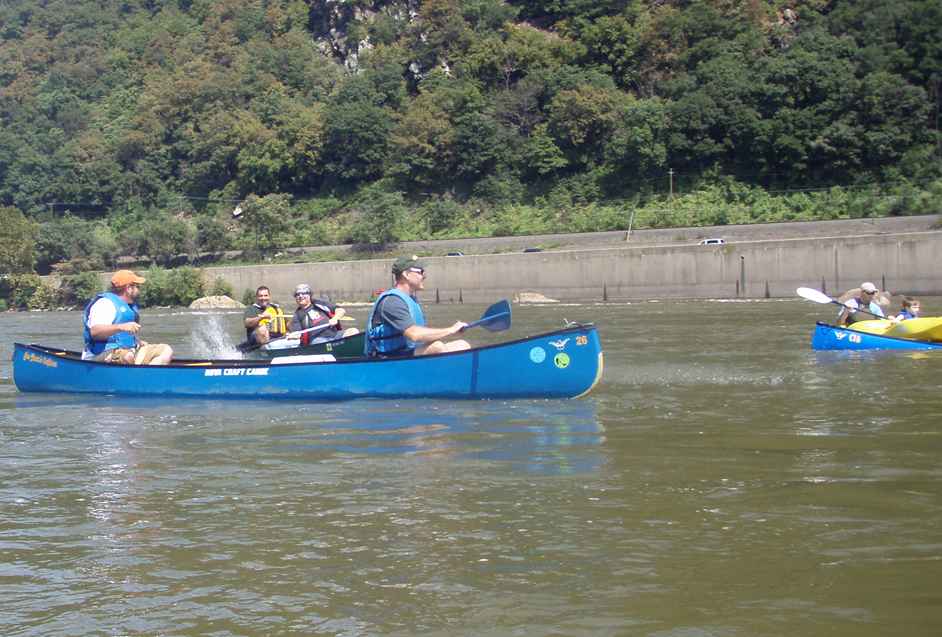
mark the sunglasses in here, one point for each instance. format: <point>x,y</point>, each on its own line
<point>417,270</point>
<point>300,294</point>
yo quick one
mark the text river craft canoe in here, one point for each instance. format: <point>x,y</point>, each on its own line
<point>563,364</point>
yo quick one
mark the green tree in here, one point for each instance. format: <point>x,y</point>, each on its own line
<point>266,219</point>
<point>581,120</point>
<point>302,130</point>
<point>541,154</point>
<point>423,143</point>
<point>617,41</point>
<point>502,60</point>
<point>440,213</point>
<point>357,133</point>
<point>176,287</point>
<point>441,32</point>
<point>17,242</point>
<point>18,289</point>
<point>262,158</point>
<point>637,147</point>
<point>162,237</point>
<point>478,143</point>
<point>211,234</point>
<point>78,289</point>
<point>377,213</point>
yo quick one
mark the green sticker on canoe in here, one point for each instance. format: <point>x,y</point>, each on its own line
<point>561,360</point>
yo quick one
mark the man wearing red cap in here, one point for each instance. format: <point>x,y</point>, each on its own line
<point>111,322</point>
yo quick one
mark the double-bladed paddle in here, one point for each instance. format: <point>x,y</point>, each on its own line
<point>246,347</point>
<point>496,318</point>
<point>820,297</point>
<point>339,318</point>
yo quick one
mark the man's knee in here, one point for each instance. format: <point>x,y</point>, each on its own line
<point>154,354</point>
<point>262,335</point>
<point>163,355</point>
<point>117,355</point>
<point>436,347</point>
<point>457,346</point>
<point>440,347</point>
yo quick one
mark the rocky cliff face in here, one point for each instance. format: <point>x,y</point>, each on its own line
<point>345,29</point>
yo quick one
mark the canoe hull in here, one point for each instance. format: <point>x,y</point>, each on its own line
<point>830,337</point>
<point>562,364</point>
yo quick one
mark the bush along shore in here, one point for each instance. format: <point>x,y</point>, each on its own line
<point>164,287</point>
<point>75,248</point>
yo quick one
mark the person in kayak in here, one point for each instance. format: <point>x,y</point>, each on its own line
<point>316,320</point>
<point>866,301</point>
<point>111,324</point>
<point>909,309</point>
<point>396,325</point>
<point>263,320</point>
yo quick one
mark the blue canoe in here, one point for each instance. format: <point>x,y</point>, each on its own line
<point>563,364</point>
<point>830,337</point>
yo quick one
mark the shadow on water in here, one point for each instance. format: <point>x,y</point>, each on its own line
<point>541,437</point>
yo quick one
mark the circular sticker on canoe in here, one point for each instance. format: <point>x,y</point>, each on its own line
<point>562,360</point>
<point>537,355</point>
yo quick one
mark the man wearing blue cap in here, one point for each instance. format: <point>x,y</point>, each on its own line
<point>396,326</point>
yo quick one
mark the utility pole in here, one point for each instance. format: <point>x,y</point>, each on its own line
<point>670,198</point>
<point>630,223</point>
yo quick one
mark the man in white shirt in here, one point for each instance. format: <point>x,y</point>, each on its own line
<point>861,308</point>
<point>111,322</point>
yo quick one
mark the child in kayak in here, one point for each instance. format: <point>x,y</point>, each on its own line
<point>910,309</point>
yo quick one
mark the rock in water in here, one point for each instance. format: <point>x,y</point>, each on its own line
<point>532,297</point>
<point>215,303</point>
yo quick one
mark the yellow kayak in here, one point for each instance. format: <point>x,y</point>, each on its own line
<point>928,328</point>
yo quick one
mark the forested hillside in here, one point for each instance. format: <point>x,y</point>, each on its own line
<point>137,126</point>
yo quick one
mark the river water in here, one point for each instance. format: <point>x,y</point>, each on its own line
<point>723,479</point>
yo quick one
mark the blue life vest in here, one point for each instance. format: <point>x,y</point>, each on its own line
<point>384,339</point>
<point>125,314</point>
<point>871,307</point>
<point>905,315</point>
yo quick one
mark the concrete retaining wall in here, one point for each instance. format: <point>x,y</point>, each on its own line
<point>899,262</point>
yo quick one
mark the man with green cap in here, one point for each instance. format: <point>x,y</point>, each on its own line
<point>396,326</point>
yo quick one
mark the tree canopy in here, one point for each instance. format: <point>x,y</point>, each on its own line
<point>160,109</point>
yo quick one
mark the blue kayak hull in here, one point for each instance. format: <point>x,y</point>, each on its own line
<point>562,364</point>
<point>830,337</point>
